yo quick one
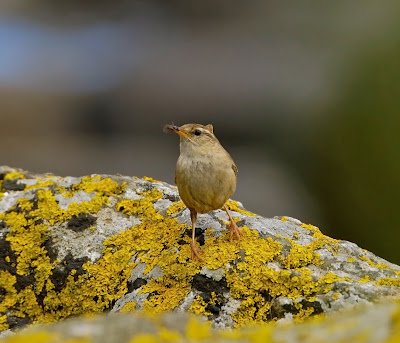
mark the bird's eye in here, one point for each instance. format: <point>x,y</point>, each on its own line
<point>197,132</point>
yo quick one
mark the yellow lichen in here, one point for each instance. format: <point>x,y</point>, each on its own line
<point>144,338</point>
<point>158,239</point>
<point>198,306</point>
<point>155,241</point>
<point>176,207</point>
<point>249,281</point>
<point>382,266</point>
<point>318,234</point>
<point>332,278</point>
<point>366,259</point>
<point>364,279</point>
<point>166,335</point>
<point>40,184</point>
<point>300,255</point>
<point>130,306</point>
<point>351,259</point>
<point>14,175</point>
<point>35,337</point>
<point>7,282</point>
<point>150,179</point>
<point>388,281</point>
<point>97,184</point>
<point>234,206</point>
<point>27,236</point>
<point>198,331</point>
<point>303,314</point>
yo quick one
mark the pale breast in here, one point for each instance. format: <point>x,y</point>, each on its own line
<point>205,183</point>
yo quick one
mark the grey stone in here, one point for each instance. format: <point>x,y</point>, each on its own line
<point>135,253</point>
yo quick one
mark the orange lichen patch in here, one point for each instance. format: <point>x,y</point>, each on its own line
<point>234,206</point>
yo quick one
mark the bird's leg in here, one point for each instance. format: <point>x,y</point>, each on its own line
<point>233,228</point>
<point>195,251</point>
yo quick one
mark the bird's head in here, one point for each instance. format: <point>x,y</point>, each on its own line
<point>195,136</point>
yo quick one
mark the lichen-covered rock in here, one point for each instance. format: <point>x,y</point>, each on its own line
<point>73,246</point>
<point>368,324</point>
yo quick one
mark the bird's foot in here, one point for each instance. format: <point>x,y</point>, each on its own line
<point>195,252</point>
<point>234,230</point>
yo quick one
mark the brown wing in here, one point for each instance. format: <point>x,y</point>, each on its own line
<point>235,169</point>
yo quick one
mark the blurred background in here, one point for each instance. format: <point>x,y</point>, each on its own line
<point>305,97</point>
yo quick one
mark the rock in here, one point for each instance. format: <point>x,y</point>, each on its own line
<point>369,324</point>
<point>77,246</point>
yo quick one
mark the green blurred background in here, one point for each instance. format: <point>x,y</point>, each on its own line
<point>305,96</point>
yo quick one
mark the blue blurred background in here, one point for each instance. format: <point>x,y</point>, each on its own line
<point>305,97</point>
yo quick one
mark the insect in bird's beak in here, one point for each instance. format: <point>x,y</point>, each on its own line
<point>175,129</point>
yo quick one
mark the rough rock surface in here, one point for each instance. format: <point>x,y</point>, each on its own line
<point>73,246</point>
<point>367,324</point>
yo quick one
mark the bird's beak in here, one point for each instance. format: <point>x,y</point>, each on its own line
<point>175,129</point>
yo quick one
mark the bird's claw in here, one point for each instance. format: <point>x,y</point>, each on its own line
<point>234,230</point>
<point>195,252</point>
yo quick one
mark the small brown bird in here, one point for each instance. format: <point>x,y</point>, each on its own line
<point>205,174</point>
